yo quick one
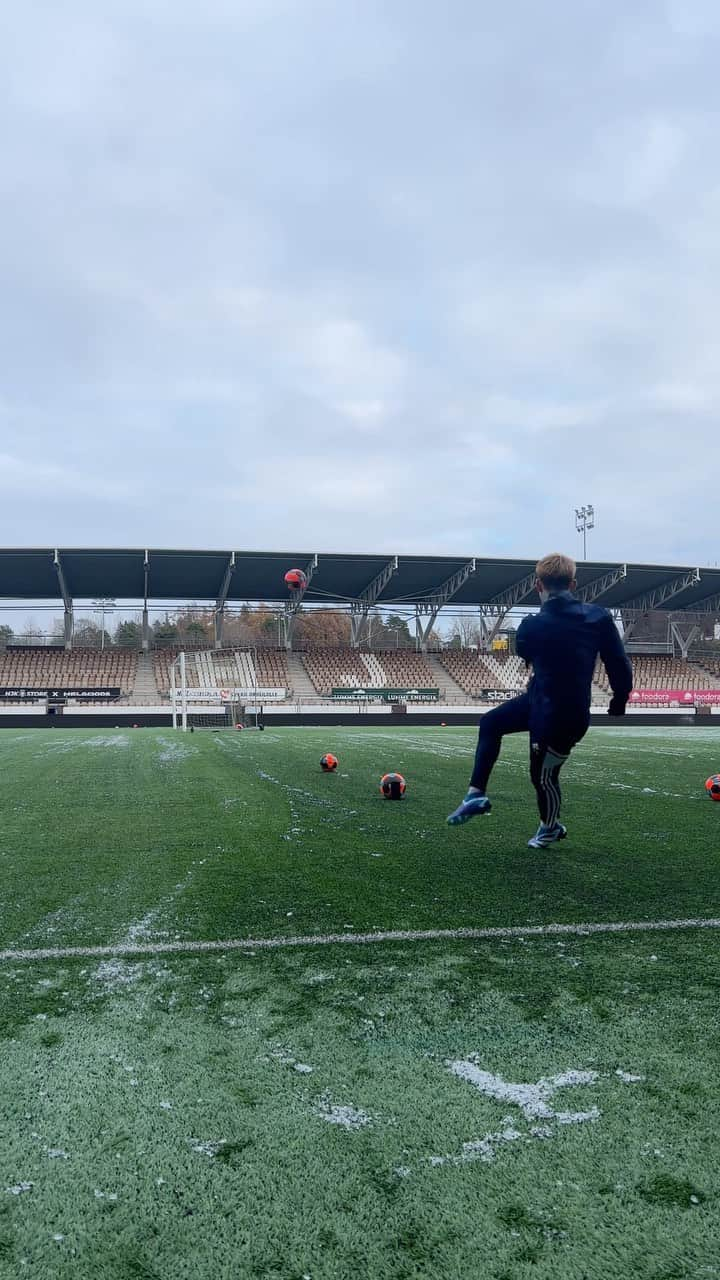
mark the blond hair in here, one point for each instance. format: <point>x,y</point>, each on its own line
<point>556,571</point>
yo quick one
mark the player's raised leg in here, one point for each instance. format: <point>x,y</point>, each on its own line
<point>511,717</point>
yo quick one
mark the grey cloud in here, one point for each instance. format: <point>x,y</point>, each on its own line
<point>408,276</point>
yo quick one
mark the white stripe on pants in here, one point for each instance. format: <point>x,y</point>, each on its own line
<point>549,771</point>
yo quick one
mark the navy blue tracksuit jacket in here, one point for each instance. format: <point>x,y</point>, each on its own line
<point>562,643</point>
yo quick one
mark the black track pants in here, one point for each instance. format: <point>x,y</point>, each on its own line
<point>549,749</point>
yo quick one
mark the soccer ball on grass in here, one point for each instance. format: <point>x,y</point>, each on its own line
<point>392,786</point>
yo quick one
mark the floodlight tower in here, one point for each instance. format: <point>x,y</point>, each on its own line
<point>584,520</point>
<point>105,605</point>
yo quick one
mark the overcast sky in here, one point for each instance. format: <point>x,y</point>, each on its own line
<point>406,275</point>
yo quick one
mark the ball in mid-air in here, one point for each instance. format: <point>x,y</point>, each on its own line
<point>295,580</point>
<point>329,763</point>
<point>392,786</point>
<point>712,786</point>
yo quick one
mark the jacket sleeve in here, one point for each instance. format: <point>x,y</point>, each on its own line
<point>617,664</point>
<point>523,639</point>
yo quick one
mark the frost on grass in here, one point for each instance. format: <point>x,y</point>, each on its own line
<point>577,1117</point>
<point>63,746</point>
<point>348,1117</point>
<point>480,1148</point>
<point>172,751</point>
<point>209,1147</point>
<point>66,919</point>
<point>674,795</point>
<point>289,1060</point>
<point>112,740</point>
<point>142,930</point>
<point>146,929</point>
<point>116,974</point>
<point>534,1101</point>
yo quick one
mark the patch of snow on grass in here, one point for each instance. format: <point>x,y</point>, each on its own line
<point>173,751</point>
<point>207,1148</point>
<point>62,746</point>
<point>67,918</point>
<point>628,1078</point>
<point>480,1148</point>
<point>19,1187</point>
<point>144,930</point>
<point>577,1117</point>
<point>348,1117</point>
<point>532,1099</point>
<point>675,795</point>
<point>289,1060</point>
<point>116,974</point>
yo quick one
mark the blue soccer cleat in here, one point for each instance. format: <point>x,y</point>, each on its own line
<point>545,836</point>
<point>472,807</point>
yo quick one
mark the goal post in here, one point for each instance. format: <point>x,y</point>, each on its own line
<point>217,689</point>
<point>178,692</point>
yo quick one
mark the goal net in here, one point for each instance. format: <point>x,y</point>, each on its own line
<point>218,689</point>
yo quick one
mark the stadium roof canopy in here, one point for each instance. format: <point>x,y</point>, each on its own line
<point>364,580</point>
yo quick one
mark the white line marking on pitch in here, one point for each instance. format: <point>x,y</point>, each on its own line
<point>381,935</point>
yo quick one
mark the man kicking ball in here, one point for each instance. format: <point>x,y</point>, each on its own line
<point>561,643</point>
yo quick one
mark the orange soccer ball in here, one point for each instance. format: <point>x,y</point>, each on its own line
<point>329,763</point>
<point>295,579</point>
<point>712,786</point>
<point>392,786</point>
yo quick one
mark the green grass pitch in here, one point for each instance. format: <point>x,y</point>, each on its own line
<point>520,1107</point>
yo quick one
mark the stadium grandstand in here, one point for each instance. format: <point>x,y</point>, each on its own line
<point>31,667</point>
<point>244,637</point>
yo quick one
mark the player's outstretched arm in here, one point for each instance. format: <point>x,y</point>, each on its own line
<point>617,664</point>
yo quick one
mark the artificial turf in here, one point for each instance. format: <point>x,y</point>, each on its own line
<point>226,835</point>
<point>296,1113</point>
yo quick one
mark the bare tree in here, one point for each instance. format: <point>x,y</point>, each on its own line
<point>465,631</point>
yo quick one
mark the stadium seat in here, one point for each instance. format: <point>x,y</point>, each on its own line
<point>54,668</point>
<point>653,671</point>
<point>476,673</point>
<point>331,669</point>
